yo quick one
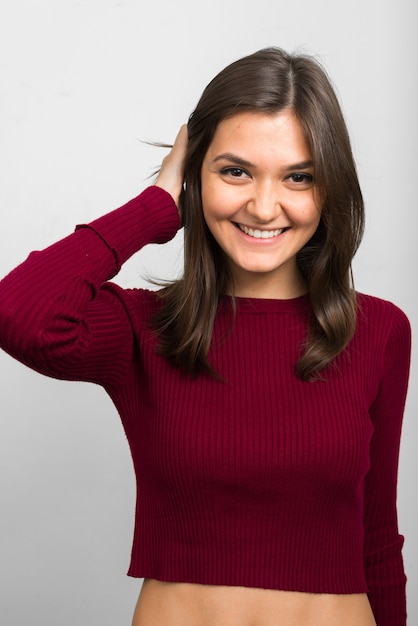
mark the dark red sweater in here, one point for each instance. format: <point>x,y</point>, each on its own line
<point>261,480</point>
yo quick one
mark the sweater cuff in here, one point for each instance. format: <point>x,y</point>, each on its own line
<point>151,217</point>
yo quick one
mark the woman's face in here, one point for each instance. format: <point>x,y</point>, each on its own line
<point>259,201</point>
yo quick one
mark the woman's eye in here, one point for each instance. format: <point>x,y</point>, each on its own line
<point>235,172</point>
<point>301,179</point>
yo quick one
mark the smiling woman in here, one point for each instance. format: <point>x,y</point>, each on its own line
<point>266,84</point>
<point>262,397</point>
<point>261,217</point>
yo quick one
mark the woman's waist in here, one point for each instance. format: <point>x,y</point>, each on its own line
<point>189,604</point>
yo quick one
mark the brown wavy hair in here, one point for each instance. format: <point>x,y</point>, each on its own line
<point>270,81</point>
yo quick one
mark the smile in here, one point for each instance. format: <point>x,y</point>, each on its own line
<point>261,234</point>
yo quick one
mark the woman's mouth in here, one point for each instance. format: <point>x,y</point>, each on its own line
<point>261,234</point>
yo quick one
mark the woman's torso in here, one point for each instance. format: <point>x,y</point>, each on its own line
<point>184,604</point>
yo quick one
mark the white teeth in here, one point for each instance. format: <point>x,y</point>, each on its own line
<point>260,234</point>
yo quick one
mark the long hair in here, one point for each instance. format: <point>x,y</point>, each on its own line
<point>270,81</point>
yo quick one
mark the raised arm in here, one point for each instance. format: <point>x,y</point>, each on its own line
<point>59,315</point>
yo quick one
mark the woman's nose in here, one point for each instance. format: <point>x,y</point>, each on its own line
<point>265,206</point>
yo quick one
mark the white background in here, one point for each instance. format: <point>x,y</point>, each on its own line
<point>81,84</point>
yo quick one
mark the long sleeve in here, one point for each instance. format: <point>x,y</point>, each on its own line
<point>57,313</point>
<point>383,543</point>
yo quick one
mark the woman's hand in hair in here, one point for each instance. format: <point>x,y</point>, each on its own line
<point>170,176</point>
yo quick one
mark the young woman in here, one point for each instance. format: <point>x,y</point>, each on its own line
<point>262,397</point>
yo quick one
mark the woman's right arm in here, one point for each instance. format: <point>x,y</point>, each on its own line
<point>58,315</point>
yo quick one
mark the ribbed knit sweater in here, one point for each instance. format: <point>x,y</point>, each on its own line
<point>260,479</point>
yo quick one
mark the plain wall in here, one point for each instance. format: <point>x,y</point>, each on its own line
<point>82,83</point>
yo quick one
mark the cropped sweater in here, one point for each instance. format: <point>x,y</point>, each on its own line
<point>260,479</point>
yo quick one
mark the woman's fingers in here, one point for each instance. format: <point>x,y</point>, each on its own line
<point>171,173</point>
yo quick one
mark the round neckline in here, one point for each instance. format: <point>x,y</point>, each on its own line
<point>270,305</point>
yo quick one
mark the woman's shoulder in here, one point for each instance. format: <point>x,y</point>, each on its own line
<point>376,305</point>
<point>381,315</point>
<point>137,296</point>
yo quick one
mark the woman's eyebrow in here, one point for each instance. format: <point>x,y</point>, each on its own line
<point>228,156</point>
<point>303,165</point>
<point>233,158</point>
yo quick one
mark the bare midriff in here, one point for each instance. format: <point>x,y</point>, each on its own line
<point>184,604</point>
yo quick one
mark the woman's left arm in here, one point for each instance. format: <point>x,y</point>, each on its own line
<point>383,543</point>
